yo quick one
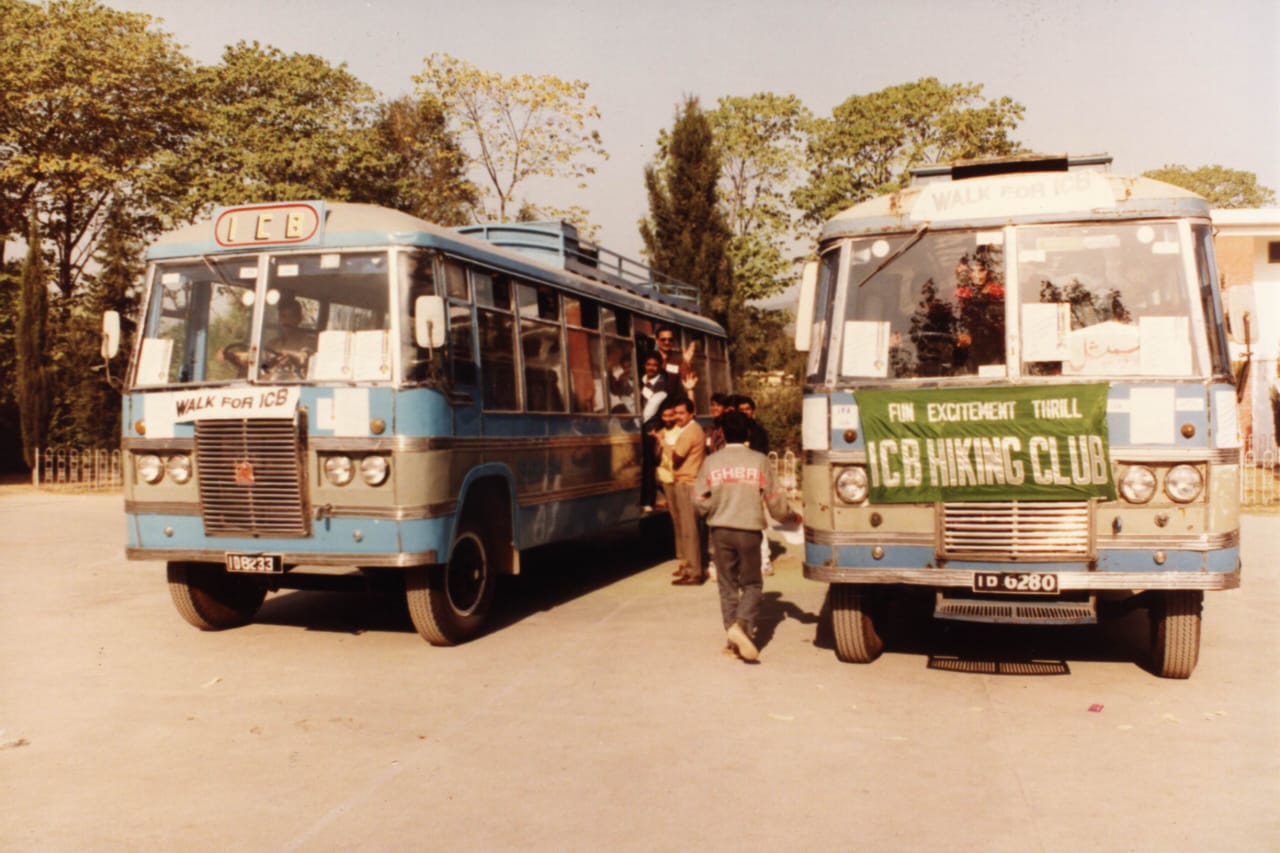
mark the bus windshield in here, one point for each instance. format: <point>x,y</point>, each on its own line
<point>1088,299</point>
<point>318,316</point>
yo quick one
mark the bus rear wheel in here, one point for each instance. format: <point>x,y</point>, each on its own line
<point>857,640</point>
<point>448,603</point>
<point>210,598</point>
<point>1175,633</point>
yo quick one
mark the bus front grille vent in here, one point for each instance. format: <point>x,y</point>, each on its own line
<point>1017,531</point>
<point>251,478</point>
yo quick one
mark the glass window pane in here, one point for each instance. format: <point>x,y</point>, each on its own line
<point>622,376</point>
<point>586,372</point>
<point>497,360</point>
<point>544,379</point>
<point>455,278</point>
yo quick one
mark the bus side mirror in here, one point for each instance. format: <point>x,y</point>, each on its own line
<point>429,321</point>
<point>110,334</point>
<point>804,309</point>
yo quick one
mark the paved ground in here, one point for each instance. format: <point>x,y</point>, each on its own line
<point>602,715</point>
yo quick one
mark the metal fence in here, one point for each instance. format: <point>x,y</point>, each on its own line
<point>1259,475</point>
<point>77,469</point>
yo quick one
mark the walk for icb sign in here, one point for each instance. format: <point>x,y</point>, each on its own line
<point>1046,443</point>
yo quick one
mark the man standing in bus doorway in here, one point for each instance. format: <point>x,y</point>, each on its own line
<point>686,452</point>
<point>677,366</point>
<point>653,391</point>
<point>733,491</point>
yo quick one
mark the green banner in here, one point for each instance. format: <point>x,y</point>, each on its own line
<point>1043,443</point>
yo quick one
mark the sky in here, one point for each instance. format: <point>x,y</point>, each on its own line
<point>1151,82</point>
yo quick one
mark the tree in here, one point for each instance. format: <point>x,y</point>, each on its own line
<point>33,377</point>
<point>761,144</point>
<point>90,101</point>
<point>427,170</point>
<point>278,127</point>
<point>871,142</point>
<point>1221,187</point>
<point>686,236</point>
<point>516,128</point>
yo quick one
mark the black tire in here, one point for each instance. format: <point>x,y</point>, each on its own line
<point>852,621</point>
<point>1175,633</point>
<point>210,598</point>
<point>448,604</point>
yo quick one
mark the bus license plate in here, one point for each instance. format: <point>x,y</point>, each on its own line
<point>261,564</point>
<point>1042,583</point>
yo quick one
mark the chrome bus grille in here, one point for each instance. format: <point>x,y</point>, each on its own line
<point>251,478</point>
<point>1017,531</point>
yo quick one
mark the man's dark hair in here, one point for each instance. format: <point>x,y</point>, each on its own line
<point>743,398</point>
<point>736,426</point>
<point>722,399</point>
<point>671,401</point>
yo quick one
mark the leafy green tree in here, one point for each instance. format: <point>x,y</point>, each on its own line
<point>277,127</point>
<point>1222,187</point>
<point>32,370</point>
<point>761,141</point>
<point>871,142</point>
<point>685,235</point>
<point>427,168</point>
<point>515,128</point>
<point>91,99</point>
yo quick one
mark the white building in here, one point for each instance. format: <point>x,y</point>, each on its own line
<point>1248,248</point>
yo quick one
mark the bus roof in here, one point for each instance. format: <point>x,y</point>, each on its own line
<point>543,251</point>
<point>993,201</point>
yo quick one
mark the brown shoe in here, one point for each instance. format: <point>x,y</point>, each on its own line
<point>687,580</point>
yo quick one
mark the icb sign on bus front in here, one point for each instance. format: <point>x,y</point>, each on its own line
<point>988,444</point>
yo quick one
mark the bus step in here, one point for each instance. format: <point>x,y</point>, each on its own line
<point>1016,611</point>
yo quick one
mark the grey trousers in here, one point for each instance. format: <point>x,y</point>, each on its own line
<point>737,556</point>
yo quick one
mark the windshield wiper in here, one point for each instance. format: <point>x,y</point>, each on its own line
<point>915,238</point>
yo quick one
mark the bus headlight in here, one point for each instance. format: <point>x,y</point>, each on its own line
<point>178,468</point>
<point>851,485</point>
<point>1138,484</point>
<point>374,470</point>
<point>339,470</point>
<point>1184,483</point>
<point>150,468</point>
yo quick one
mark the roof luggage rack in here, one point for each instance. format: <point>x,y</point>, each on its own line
<point>558,243</point>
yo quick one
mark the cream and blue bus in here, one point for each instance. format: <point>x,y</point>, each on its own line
<point>1019,403</point>
<point>320,388</point>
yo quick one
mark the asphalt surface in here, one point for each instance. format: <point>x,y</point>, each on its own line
<point>600,713</point>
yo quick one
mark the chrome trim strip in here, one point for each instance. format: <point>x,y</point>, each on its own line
<point>1171,542</point>
<point>152,445</point>
<point>139,507</point>
<point>1172,455</point>
<point>836,538</point>
<point>1066,580</point>
<point>374,561</point>
<point>1176,542</point>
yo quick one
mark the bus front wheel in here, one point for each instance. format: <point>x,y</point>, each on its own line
<point>1175,633</point>
<point>448,603</point>
<point>210,598</point>
<point>857,640</point>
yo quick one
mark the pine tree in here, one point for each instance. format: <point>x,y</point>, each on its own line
<point>686,236</point>
<point>33,379</point>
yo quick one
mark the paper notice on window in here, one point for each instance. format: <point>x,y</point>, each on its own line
<point>371,355</point>
<point>866,348</point>
<point>1166,346</point>
<point>1045,326</point>
<point>1107,349</point>
<point>333,356</point>
<point>351,411</point>
<point>153,362</point>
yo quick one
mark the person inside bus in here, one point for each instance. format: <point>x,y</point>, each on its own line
<point>653,391</point>
<point>677,366</point>
<point>980,303</point>
<point>287,353</point>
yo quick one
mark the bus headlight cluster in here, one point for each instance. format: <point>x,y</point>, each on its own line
<point>152,468</point>
<point>1138,484</point>
<point>340,470</point>
<point>851,485</point>
<point>1183,483</point>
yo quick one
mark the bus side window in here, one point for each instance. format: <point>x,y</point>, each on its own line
<point>497,330</point>
<point>462,357</point>
<point>586,367</point>
<point>544,371</point>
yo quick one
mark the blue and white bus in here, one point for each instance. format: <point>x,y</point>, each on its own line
<point>1019,402</point>
<point>325,385</point>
